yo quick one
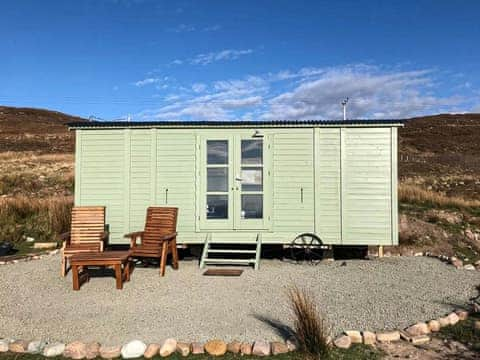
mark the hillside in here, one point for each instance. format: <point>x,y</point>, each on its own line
<point>42,131</point>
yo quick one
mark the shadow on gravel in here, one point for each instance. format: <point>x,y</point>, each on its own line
<point>282,330</point>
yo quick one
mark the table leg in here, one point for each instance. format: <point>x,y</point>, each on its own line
<point>127,270</point>
<point>118,276</point>
<point>76,281</point>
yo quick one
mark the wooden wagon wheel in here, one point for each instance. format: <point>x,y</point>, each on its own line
<point>306,248</point>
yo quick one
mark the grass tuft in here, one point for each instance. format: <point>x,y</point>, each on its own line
<point>42,219</point>
<point>310,325</point>
<point>409,193</point>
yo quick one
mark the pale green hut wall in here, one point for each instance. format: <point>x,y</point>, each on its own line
<point>339,183</point>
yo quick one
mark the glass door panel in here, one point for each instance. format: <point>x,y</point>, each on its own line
<point>216,184</point>
<point>251,184</point>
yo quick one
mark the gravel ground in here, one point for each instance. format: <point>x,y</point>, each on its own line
<point>36,303</point>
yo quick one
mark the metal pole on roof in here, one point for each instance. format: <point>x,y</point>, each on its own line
<point>344,104</point>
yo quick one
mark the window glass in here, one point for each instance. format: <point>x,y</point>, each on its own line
<point>217,179</point>
<point>217,152</point>
<point>252,179</point>
<point>252,152</point>
<point>252,206</point>
<point>217,206</point>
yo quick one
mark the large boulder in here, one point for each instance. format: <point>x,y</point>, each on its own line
<point>4,345</point>
<point>453,318</point>
<point>246,348</point>
<point>216,347</point>
<point>36,347</point>
<point>197,348</point>
<point>234,347</point>
<point>434,325</point>
<point>355,336</point>
<point>92,350</point>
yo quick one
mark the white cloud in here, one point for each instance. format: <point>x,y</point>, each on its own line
<point>212,28</point>
<point>182,28</point>
<point>223,55</point>
<point>146,81</point>
<point>312,93</point>
<point>199,87</point>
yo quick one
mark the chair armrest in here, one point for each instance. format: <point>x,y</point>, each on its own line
<point>169,236</point>
<point>65,238</point>
<point>133,237</point>
<point>104,240</point>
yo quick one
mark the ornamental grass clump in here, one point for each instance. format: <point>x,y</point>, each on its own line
<point>310,326</point>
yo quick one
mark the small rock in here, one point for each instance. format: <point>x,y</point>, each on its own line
<point>354,336</point>
<point>234,347</point>
<point>183,348</point>
<point>456,262</point>
<point>75,350</point>
<point>469,267</point>
<point>151,351</point>
<point>421,339</point>
<point>110,352</point>
<point>36,347</point>
<point>52,350</point>
<point>434,325</point>
<point>476,325</point>
<point>444,321</point>
<point>292,343</point>
<point>18,346</point>
<point>462,314</point>
<point>369,338</point>
<point>216,347</point>
<point>453,318</point>
<point>168,347</point>
<point>197,348</point>
<point>343,342</point>
<point>261,348</point>
<point>388,336</point>
<point>92,350</point>
<point>4,345</point>
<point>246,349</point>
<point>133,349</point>
<point>418,329</point>
<point>418,254</point>
<point>279,348</point>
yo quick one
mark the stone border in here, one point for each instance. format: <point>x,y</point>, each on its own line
<point>416,334</point>
<point>136,348</point>
<point>28,257</point>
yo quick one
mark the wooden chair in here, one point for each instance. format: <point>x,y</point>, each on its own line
<point>159,237</point>
<point>87,233</point>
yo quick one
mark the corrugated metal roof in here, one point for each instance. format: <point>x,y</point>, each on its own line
<point>275,123</point>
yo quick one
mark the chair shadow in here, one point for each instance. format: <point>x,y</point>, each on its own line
<point>282,330</point>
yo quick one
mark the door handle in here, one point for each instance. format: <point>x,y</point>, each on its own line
<point>238,178</point>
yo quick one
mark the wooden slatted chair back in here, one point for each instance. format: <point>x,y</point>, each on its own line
<point>88,224</point>
<point>160,221</point>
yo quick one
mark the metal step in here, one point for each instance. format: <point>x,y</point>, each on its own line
<point>207,249</point>
<point>228,261</point>
<point>232,251</point>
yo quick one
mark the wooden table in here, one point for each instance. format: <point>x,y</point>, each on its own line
<point>116,259</point>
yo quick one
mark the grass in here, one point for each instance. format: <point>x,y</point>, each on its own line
<point>310,326</point>
<point>42,219</point>
<point>409,193</point>
<point>356,352</point>
<point>464,332</point>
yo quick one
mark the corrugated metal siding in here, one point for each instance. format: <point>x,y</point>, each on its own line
<point>328,184</point>
<point>292,173</point>
<point>366,184</point>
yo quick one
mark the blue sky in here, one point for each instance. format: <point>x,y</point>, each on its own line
<point>251,60</point>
